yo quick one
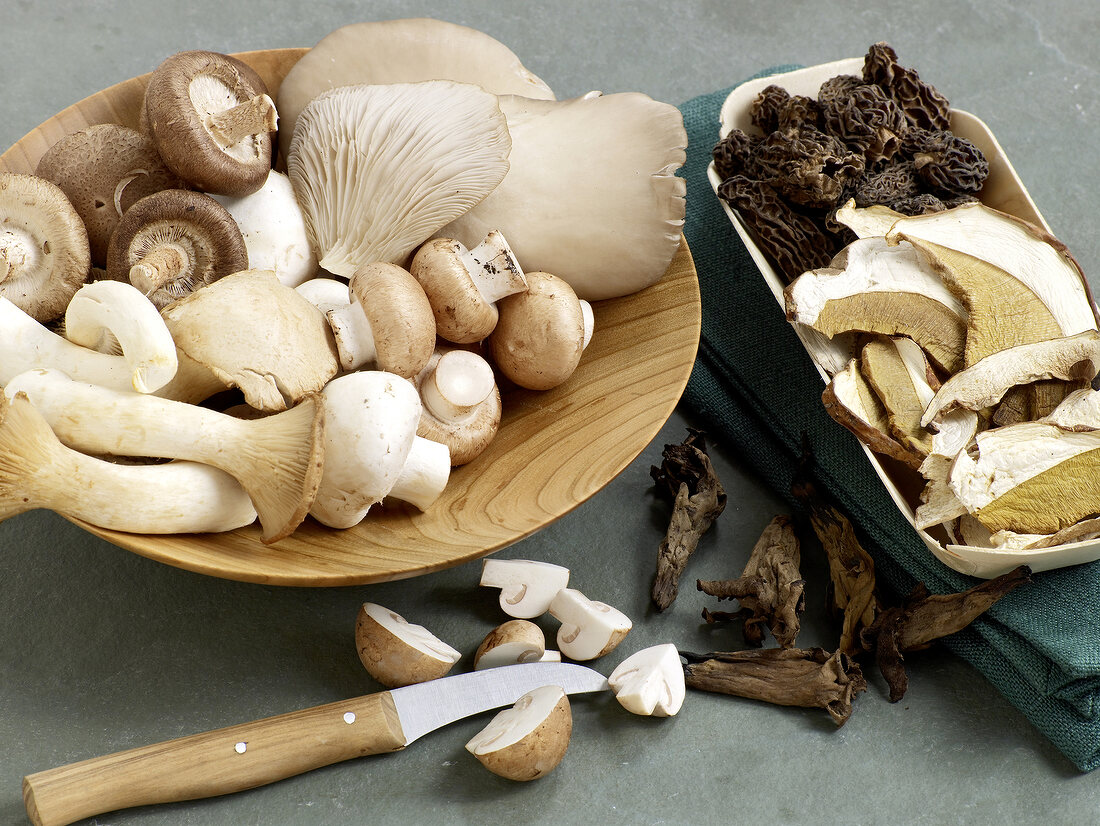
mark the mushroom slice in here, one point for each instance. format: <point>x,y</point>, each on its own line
<point>1031,477</point>
<point>104,169</point>
<point>461,403</point>
<point>515,641</point>
<point>851,401</point>
<point>401,51</point>
<point>277,459</point>
<point>378,169</point>
<point>44,253</point>
<point>274,230</point>
<point>867,222</point>
<point>395,652</point>
<point>650,682</point>
<point>939,505</point>
<point>1080,410</point>
<point>878,288</point>
<point>591,193</point>
<point>589,629</point>
<point>905,383</point>
<point>528,740</point>
<point>527,586</point>
<point>212,121</point>
<point>173,242</point>
<point>255,333</point>
<point>982,385</point>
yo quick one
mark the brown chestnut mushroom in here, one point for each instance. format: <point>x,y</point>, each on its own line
<point>541,333</point>
<point>172,242</point>
<point>461,403</point>
<point>528,740</point>
<point>395,652</point>
<point>515,641</point>
<point>212,121</point>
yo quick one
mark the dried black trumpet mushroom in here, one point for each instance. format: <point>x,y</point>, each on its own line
<point>687,479</point>
<point>948,164</point>
<point>793,240</point>
<point>765,108</point>
<point>807,166</point>
<point>733,154</point>
<point>892,183</point>
<point>867,119</point>
<point>923,105</point>
<point>808,678</point>
<point>770,590</point>
<point>924,618</point>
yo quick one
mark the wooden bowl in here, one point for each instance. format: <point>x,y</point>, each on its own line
<point>554,450</point>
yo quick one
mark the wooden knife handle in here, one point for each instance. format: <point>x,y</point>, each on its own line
<point>215,762</point>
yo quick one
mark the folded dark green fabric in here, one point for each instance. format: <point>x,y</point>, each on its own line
<point>756,391</point>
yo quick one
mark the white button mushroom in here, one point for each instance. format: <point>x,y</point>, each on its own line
<point>528,740</point>
<point>589,629</point>
<point>650,682</point>
<point>325,293</point>
<point>462,406</point>
<point>395,652</point>
<point>527,586</point>
<point>515,641</point>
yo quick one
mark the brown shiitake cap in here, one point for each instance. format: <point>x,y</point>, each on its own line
<point>399,314</point>
<point>172,242</point>
<point>44,254</point>
<point>211,121</point>
<point>539,338</point>
<point>104,169</point>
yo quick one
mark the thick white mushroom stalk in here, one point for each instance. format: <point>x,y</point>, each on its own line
<point>378,169</point>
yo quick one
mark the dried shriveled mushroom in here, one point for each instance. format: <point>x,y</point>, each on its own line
<point>527,586</point>
<point>173,242</point>
<point>589,629</point>
<point>395,652</point>
<point>528,740</point>
<point>44,253</point>
<point>461,403</point>
<point>939,505</point>
<point>379,169</point>
<point>515,641</point>
<point>591,193</point>
<point>650,682</point>
<point>212,121</point>
<point>905,382</point>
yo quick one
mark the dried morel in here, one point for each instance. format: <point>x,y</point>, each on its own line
<point>765,108</point>
<point>800,112</point>
<point>733,154</point>
<point>808,678</point>
<point>947,163</point>
<point>807,166</point>
<point>837,89</point>
<point>920,204</point>
<point>894,182</point>
<point>924,618</point>
<point>770,589</point>
<point>687,478</point>
<point>867,119</point>
<point>923,105</point>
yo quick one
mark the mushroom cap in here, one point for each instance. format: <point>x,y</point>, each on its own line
<point>462,314</point>
<point>528,740</point>
<point>183,89</point>
<point>401,51</point>
<point>539,338</point>
<point>378,169</point>
<point>44,253</point>
<point>395,652</point>
<point>461,384</point>
<point>257,334</point>
<point>104,169</point>
<point>515,641</point>
<point>399,314</point>
<point>195,225</point>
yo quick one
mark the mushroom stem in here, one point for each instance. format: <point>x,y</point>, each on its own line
<point>37,471</point>
<point>166,263</point>
<point>456,384</point>
<point>494,268</point>
<point>255,116</point>
<point>424,474</point>
<point>353,334</point>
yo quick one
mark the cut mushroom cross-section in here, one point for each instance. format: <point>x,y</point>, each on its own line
<point>396,652</point>
<point>650,682</point>
<point>527,586</point>
<point>515,641</point>
<point>461,403</point>
<point>589,629</point>
<point>528,740</point>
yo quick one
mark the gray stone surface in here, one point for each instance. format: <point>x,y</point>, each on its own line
<point>101,650</point>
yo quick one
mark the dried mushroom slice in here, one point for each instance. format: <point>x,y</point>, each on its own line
<point>939,505</point>
<point>904,381</point>
<point>1079,410</point>
<point>869,221</point>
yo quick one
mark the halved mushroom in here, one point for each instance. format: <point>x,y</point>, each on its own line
<point>589,629</point>
<point>515,641</point>
<point>542,333</point>
<point>44,252</point>
<point>395,652</point>
<point>461,403</point>
<point>212,121</point>
<point>527,586</point>
<point>378,169</point>
<point>650,682</point>
<point>528,740</point>
<point>104,169</point>
<point>171,243</point>
<point>401,51</point>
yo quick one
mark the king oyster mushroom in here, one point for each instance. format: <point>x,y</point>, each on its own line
<point>401,51</point>
<point>591,193</point>
<point>44,252</point>
<point>378,169</point>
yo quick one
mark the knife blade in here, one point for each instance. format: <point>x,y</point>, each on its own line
<point>254,754</point>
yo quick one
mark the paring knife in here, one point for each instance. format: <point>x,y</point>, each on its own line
<point>253,754</point>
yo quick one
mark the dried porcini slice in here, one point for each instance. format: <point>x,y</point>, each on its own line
<point>905,383</point>
<point>686,478</point>
<point>807,166</point>
<point>922,103</point>
<point>770,589</point>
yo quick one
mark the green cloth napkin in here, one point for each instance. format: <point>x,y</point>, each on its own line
<point>755,390</point>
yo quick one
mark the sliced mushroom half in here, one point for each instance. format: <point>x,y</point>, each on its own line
<point>528,740</point>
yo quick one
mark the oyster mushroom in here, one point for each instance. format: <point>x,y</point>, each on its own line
<point>395,652</point>
<point>589,629</point>
<point>44,253</point>
<point>650,682</point>
<point>378,169</point>
<point>591,193</point>
<point>212,121</point>
<point>173,242</point>
<point>541,333</point>
<point>515,641</point>
<point>528,740</point>
<point>463,286</point>
<point>104,169</point>
<point>527,586</point>
<point>461,403</point>
<point>401,51</point>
